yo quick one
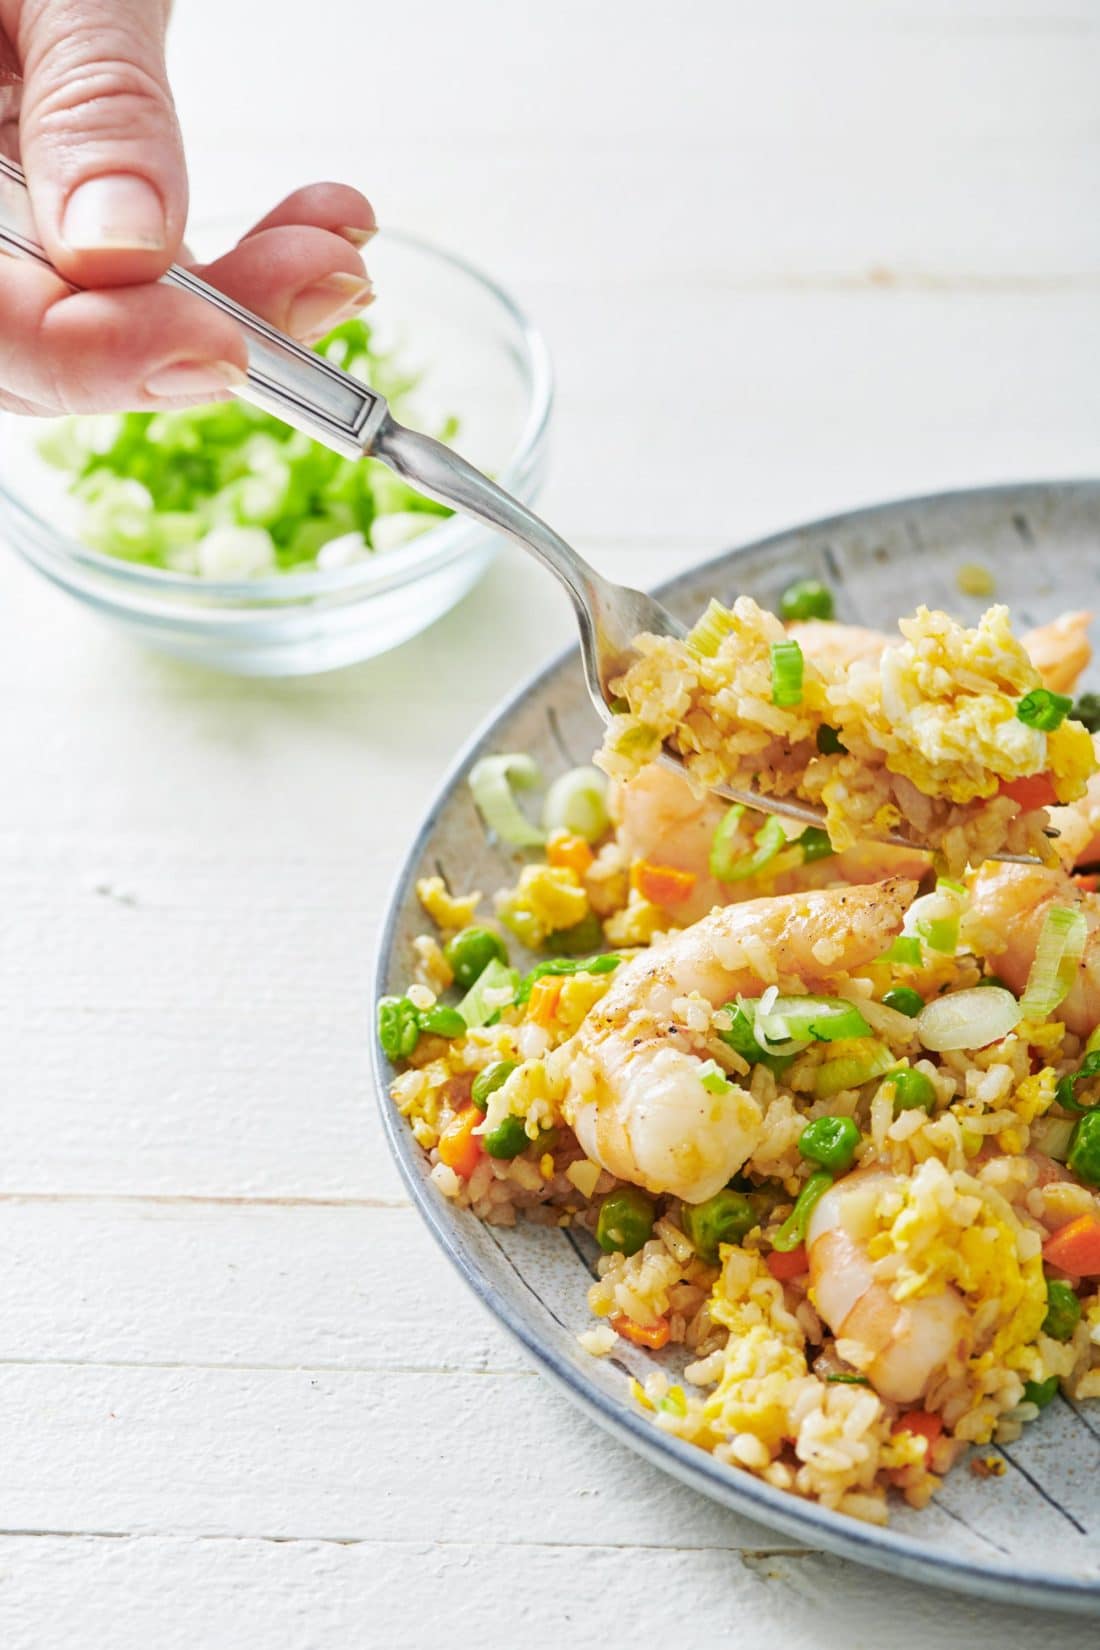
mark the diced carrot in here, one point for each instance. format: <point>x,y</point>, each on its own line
<point>1036,791</point>
<point>654,1335</point>
<point>459,1147</point>
<point>789,1263</point>
<point>544,999</point>
<point>922,1422</point>
<point>1088,884</point>
<point>1075,1248</point>
<point>662,884</point>
<point>570,852</point>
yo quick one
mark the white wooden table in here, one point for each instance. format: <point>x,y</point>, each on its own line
<point>790,257</point>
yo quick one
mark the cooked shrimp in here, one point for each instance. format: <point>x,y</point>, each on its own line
<point>1060,650</point>
<point>637,1102</point>
<point>660,819</point>
<point>900,1347</point>
<point>837,645</point>
<point>1008,905</point>
<point>1078,824</point>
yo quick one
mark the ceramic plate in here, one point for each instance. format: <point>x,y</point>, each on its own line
<point>1032,1534</point>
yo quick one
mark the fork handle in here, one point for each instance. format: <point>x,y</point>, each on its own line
<point>294,383</point>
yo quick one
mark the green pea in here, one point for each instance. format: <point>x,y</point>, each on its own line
<point>1063,1311</point>
<point>1084,1150</point>
<point>442,1021</point>
<point>489,1080</point>
<point>911,1089</point>
<point>508,1139</point>
<point>904,1000</point>
<point>723,1218</point>
<point>471,951</point>
<point>1041,1393</point>
<point>625,1221</point>
<point>793,1230</point>
<point>398,1027</point>
<point>807,599</point>
<point>830,1141</point>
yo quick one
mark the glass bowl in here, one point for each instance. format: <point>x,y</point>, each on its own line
<point>479,358</point>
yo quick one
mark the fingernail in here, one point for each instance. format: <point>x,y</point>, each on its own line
<point>357,237</point>
<point>181,379</point>
<point>120,212</point>
<point>320,306</point>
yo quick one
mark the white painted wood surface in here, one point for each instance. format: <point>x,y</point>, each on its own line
<point>790,258</point>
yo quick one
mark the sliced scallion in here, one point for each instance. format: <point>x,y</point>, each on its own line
<point>705,636</point>
<point>787,671</point>
<point>769,840</point>
<point>1057,956</point>
<point>492,781</point>
<point>973,1018</point>
<point>486,996</point>
<point>1043,709</point>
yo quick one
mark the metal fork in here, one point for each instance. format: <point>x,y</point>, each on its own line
<point>339,411</point>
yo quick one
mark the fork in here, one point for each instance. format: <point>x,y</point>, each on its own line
<point>341,412</point>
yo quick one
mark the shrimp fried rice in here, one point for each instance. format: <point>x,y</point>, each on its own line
<point>827,1110</point>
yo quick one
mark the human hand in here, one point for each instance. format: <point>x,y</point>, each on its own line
<point>85,105</point>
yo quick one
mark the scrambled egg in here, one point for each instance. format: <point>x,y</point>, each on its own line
<point>942,707</point>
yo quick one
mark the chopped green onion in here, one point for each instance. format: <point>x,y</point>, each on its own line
<point>844,1379</point>
<point>1065,1090</point>
<point>806,599</point>
<point>576,802</point>
<point>851,1071</point>
<point>1086,709</point>
<point>495,977</point>
<point>604,964</point>
<point>1043,709</point>
<point>1057,956</point>
<point>815,844</point>
<point>793,1230</point>
<point>674,1402</point>
<point>905,951</point>
<point>934,917</point>
<point>808,1019</point>
<point>230,491</point>
<point>828,741</point>
<point>1053,1136</point>
<point>714,1080</point>
<point>492,781</point>
<point>787,671</point>
<point>740,1038</point>
<point>705,636</point>
<point>973,1018</point>
<point>769,840</point>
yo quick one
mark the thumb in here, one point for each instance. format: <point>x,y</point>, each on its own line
<point>99,139</point>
